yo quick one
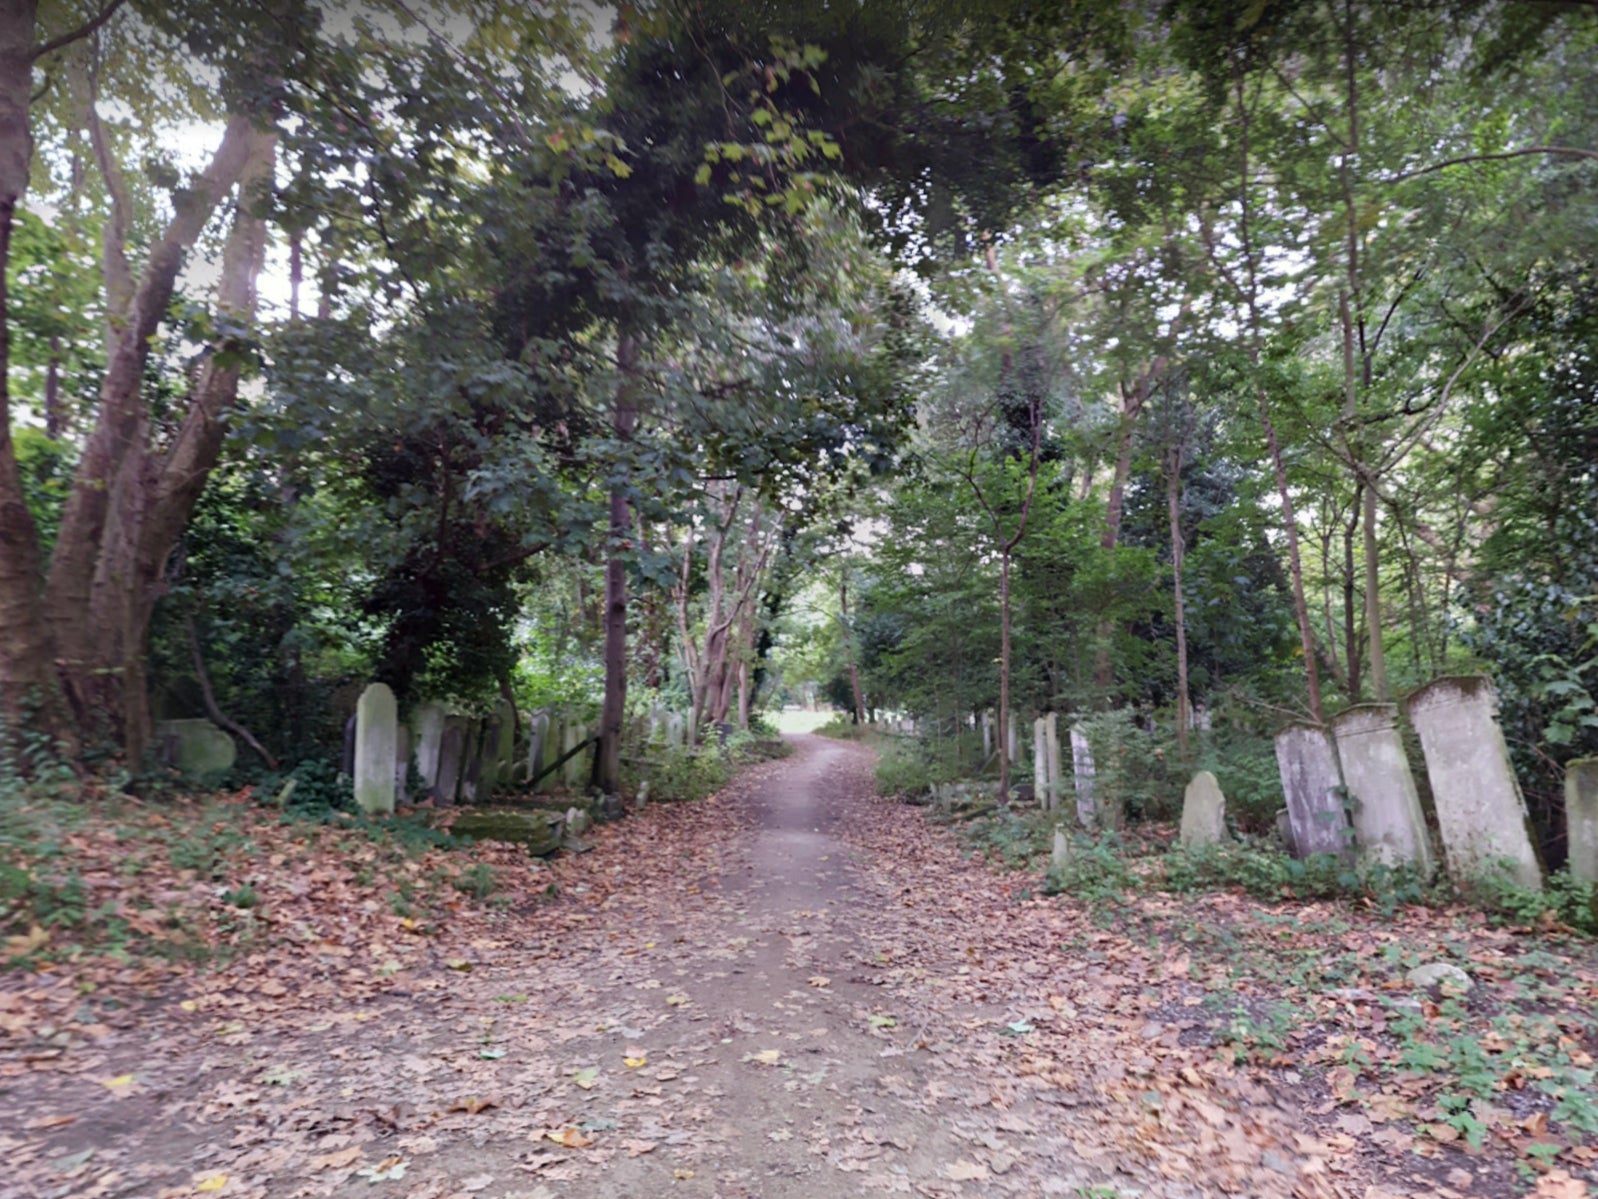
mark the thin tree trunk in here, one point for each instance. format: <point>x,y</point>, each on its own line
<point>1004,677</point>
<point>607,759</point>
<point>1173,500</point>
<point>1351,637</point>
<point>848,647</point>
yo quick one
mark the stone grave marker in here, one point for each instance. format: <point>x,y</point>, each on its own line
<point>537,743</point>
<point>1082,774</point>
<point>987,735</point>
<point>1581,818</point>
<point>1203,812</point>
<point>472,761</point>
<point>1060,853</point>
<point>346,762</point>
<point>1388,825</point>
<point>451,751</point>
<point>504,743</point>
<point>1480,810</point>
<point>196,747</point>
<point>1051,742</point>
<point>427,724</point>
<point>1012,741</point>
<point>402,762</point>
<point>572,735</point>
<point>376,749</point>
<point>1313,790</point>
<point>1040,764</point>
<point>674,730</point>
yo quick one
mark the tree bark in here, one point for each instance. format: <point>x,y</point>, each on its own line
<point>848,646</point>
<point>1173,500</point>
<point>607,759</point>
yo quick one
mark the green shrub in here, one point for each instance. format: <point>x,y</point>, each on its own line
<point>1095,872</point>
<point>1273,876</point>
<point>1565,899</point>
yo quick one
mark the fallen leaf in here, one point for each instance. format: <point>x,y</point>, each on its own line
<point>820,980</point>
<point>214,1183</point>
<point>572,1138</point>
<point>586,1078</point>
<point>337,1160</point>
<point>766,1057</point>
<point>117,1083</point>
<point>639,1148</point>
<point>964,1171</point>
<point>472,1104</point>
<point>633,1063</point>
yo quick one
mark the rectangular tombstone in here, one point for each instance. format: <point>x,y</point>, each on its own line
<point>472,762</point>
<point>1480,810</point>
<point>1051,742</point>
<point>1312,787</point>
<point>376,748</point>
<point>1012,740</point>
<point>987,735</point>
<point>1388,824</point>
<point>1083,776</point>
<point>572,735</point>
<point>427,726</point>
<point>674,730</point>
<point>1203,812</point>
<point>451,755</point>
<point>1581,818</point>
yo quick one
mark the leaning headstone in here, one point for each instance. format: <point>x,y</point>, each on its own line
<point>1480,810</point>
<point>427,724</point>
<point>451,751</point>
<point>1388,825</point>
<point>196,747</point>
<point>1314,792</point>
<point>1203,812</point>
<point>1082,773</point>
<point>376,749</point>
<point>537,744</point>
<point>1581,818</point>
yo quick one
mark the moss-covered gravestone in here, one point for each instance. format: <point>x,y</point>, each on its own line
<point>538,830</point>
<point>1203,812</point>
<point>196,747</point>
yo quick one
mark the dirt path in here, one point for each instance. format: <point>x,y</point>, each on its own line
<point>792,990</point>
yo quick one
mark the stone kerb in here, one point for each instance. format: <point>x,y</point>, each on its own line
<point>1203,812</point>
<point>1388,824</point>
<point>376,748</point>
<point>1480,810</point>
<point>1581,818</point>
<point>1312,787</point>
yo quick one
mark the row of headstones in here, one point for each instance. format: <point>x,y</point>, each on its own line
<point>1481,813</point>
<point>456,758</point>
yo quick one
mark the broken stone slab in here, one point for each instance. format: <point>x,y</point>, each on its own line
<point>376,749</point>
<point>1203,812</point>
<point>196,747</point>
<point>539,831</point>
<point>1313,789</point>
<point>1581,818</point>
<point>1444,974</point>
<point>1388,825</point>
<point>1480,810</point>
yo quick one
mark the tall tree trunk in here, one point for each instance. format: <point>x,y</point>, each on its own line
<point>607,761</point>
<point>1351,638</point>
<point>848,646</point>
<point>104,471</point>
<point>1004,676</point>
<point>1173,501</point>
<point>1133,399</point>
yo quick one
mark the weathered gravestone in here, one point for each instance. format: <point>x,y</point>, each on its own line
<point>537,745</point>
<point>1203,812</point>
<point>1051,743</point>
<point>987,735</point>
<point>1040,764</point>
<point>427,724</point>
<point>1060,853</point>
<point>1012,740</point>
<point>674,730</point>
<point>471,761</point>
<point>402,762</point>
<point>504,743</point>
<point>1581,818</point>
<point>1083,775</point>
<point>196,747</point>
<point>346,762</point>
<point>1480,810</point>
<point>1388,825</point>
<point>376,749</point>
<point>451,754</point>
<point>1310,782</point>
<point>572,735</point>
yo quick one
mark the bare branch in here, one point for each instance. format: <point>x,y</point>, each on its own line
<point>1526,152</point>
<point>78,34</point>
